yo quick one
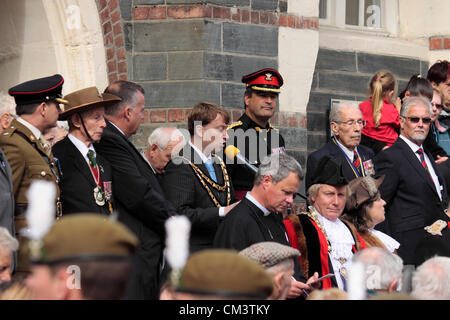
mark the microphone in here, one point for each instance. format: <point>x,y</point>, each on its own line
<point>232,152</point>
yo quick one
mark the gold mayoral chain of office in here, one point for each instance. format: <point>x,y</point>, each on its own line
<point>202,177</point>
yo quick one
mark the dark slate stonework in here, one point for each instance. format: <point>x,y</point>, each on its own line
<point>268,5</point>
<point>230,3</point>
<point>294,137</point>
<point>232,67</point>
<point>125,9</point>
<point>176,36</point>
<point>316,141</point>
<point>336,60</point>
<point>180,94</point>
<point>150,67</point>
<point>318,121</point>
<point>401,67</point>
<point>343,82</point>
<point>240,38</point>
<point>233,95</point>
<point>319,101</point>
<point>140,2</point>
<point>185,65</point>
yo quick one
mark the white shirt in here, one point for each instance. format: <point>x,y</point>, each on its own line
<point>35,131</point>
<point>414,147</point>
<point>117,128</point>
<point>206,159</point>
<point>347,152</point>
<point>341,241</point>
<point>81,147</point>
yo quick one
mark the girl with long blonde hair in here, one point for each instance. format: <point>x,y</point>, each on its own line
<point>380,112</point>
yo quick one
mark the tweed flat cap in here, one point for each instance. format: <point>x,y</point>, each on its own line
<point>85,236</point>
<point>269,253</point>
<point>225,273</point>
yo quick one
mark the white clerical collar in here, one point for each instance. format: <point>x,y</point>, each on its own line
<point>81,146</point>
<point>200,153</point>
<point>349,153</point>
<point>414,147</point>
<point>256,203</point>
<point>35,131</point>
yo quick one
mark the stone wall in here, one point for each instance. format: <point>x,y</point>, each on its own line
<point>186,51</point>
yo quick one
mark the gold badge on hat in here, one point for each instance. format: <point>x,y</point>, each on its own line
<point>436,227</point>
<point>268,77</point>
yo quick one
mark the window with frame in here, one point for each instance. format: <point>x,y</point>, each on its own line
<point>367,14</point>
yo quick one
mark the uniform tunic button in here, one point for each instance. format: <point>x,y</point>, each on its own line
<point>43,173</point>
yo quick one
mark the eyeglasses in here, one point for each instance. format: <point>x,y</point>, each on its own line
<point>437,105</point>
<point>417,119</point>
<point>351,123</point>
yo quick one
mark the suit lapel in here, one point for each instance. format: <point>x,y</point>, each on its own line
<point>335,152</point>
<point>415,163</point>
<point>78,161</point>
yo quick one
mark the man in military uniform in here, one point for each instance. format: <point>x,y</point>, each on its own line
<point>82,257</point>
<point>252,134</point>
<point>27,152</point>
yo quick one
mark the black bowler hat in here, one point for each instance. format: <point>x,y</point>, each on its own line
<point>264,80</point>
<point>39,90</point>
<point>329,171</point>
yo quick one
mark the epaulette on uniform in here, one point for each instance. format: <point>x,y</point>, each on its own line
<point>234,124</point>
<point>9,131</point>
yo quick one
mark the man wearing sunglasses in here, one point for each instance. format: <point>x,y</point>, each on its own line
<point>413,189</point>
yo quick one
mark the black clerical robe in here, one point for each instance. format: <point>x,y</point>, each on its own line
<point>246,224</point>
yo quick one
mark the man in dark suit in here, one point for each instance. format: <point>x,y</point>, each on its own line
<point>140,198</point>
<point>197,182</point>
<point>413,188</point>
<point>86,182</point>
<point>346,125</point>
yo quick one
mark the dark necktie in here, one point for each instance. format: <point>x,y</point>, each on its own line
<point>422,160</point>
<point>356,162</point>
<point>93,166</point>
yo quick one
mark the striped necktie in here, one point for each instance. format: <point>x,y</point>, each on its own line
<point>422,160</point>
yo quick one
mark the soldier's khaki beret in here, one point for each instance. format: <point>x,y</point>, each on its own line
<point>225,273</point>
<point>269,253</point>
<point>85,236</point>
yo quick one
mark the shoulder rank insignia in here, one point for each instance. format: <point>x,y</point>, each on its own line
<point>436,227</point>
<point>234,124</point>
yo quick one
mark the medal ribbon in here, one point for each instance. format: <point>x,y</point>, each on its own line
<point>350,163</point>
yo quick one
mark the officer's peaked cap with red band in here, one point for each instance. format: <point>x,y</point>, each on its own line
<point>38,90</point>
<point>264,80</point>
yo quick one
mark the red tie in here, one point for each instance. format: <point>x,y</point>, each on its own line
<point>422,160</point>
<point>356,162</point>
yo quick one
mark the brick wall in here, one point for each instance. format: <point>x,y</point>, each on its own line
<point>440,43</point>
<point>186,51</point>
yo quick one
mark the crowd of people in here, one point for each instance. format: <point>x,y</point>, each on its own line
<point>377,195</point>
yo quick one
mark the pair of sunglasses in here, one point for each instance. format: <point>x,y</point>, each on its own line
<point>417,119</point>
